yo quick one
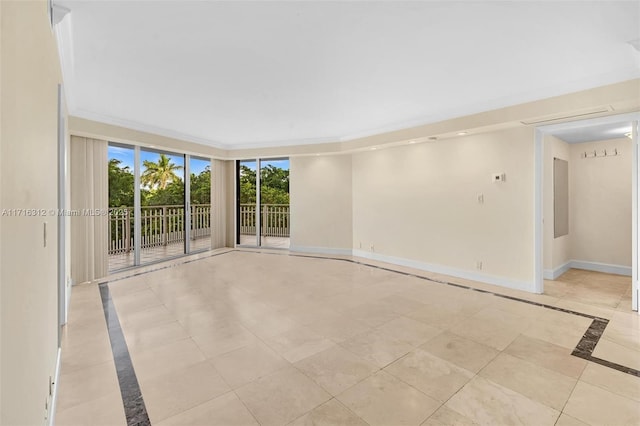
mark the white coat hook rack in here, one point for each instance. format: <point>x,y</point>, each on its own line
<point>604,153</point>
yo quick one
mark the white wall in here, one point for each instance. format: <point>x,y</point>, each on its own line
<point>556,250</point>
<point>600,203</point>
<point>28,151</point>
<point>420,202</point>
<point>321,203</point>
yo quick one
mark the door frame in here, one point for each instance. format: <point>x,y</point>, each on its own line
<point>137,201</point>
<point>540,133</point>
<point>258,211</point>
<point>257,215</point>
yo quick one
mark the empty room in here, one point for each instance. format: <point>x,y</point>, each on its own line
<point>319,212</point>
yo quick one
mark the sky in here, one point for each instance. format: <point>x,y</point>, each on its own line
<point>125,155</point>
<point>283,164</point>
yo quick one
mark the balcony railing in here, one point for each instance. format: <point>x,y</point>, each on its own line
<point>160,226</point>
<point>164,225</point>
<point>274,220</point>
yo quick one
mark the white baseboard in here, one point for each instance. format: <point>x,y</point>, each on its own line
<point>552,274</point>
<point>601,267</point>
<point>54,391</point>
<point>454,272</point>
<point>321,250</point>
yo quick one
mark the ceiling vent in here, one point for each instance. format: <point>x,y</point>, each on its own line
<point>561,117</point>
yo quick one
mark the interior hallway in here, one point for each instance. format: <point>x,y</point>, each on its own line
<point>244,337</point>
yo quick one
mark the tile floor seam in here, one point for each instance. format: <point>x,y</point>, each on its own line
<point>432,397</point>
<point>444,404</point>
<point>245,406</point>
<point>569,398</point>
<point>344,390</point>
<point>625,344</point>
<point>333,398</point>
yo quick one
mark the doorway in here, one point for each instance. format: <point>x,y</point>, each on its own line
<point>598,232</point>
<point>262,203</point>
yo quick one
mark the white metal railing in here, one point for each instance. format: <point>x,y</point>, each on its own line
<point>161,225</point>
<point>274,220</point>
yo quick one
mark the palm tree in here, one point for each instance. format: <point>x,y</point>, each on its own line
<point>159,174</point>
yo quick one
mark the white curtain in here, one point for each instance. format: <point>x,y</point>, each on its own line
<point>89,206</point>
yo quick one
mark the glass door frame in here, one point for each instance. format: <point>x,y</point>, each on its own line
<point>137,203</point>
<point>257,216</point>
<point>258,203</point>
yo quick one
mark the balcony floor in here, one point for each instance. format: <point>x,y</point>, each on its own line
<point>155,254</point>
<point>272,242</point>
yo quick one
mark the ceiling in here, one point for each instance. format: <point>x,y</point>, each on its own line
<point>250,74</point>
<point>596,132</point>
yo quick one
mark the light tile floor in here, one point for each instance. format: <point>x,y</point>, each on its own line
<point>248,338</point>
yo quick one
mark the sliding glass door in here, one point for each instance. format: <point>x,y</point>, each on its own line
<point>121,206</point>
<point>200,204</point>
<point>263,203</point>
<point>247,208</point>
<point>159,205</point>
<point>274,203</point>
<point>162,218</point>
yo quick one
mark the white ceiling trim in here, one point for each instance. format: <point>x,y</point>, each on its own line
<point>114,121</point>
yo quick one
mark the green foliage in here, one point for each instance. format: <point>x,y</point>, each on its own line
<point>247,185</point>
<point>275,178</point>
<point>158,175</point>
<point>274,185</point>
<point>120,184</point>
<point>171,195</point>
<point>121,187</point>
<point>201,187</point>
<point>163,187</point>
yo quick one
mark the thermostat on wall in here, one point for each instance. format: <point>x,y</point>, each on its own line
<point>498,177</point>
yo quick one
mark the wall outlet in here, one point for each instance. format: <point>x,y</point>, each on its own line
<point>480,198</point>
<point>371,248</point>
<point>498,177</point>
<point>360,244</point>
<point>479,265</point>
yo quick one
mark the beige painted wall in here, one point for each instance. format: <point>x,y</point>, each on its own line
<point>420,202</point>
<point>556,250</point>
<point>600,203</point>
<point>28,152</point>
<point>321,202</point>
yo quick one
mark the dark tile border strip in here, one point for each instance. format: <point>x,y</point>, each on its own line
<point>134,409</point>
<point>583,350</point>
